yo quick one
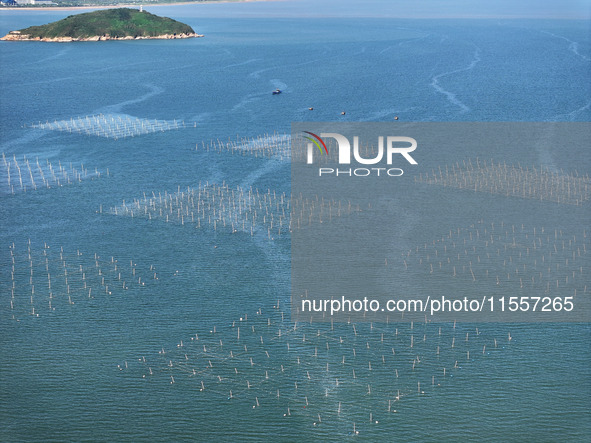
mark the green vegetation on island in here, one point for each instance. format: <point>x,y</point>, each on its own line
<point>108,24</point>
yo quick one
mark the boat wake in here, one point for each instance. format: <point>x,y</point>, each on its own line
<point>453,99</point>
<point>573,115</point>
<point>257,74</point>
<point>278,84</point>
<point>404,43</point>
<point>241,63</point>
<point>270,166</point>
<point>116,108</point>
<point>572,45</point>
<point>54,56</point>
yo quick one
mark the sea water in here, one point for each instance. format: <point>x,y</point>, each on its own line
<point>63,369</point>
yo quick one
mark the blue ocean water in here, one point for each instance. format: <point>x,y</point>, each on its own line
<point>75,372</point>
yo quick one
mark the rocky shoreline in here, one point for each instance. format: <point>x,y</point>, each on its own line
<point>17,36</point>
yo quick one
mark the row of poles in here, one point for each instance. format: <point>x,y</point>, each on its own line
<point>235,208</point>
<point>31,175</point>
<point>45,278</point>
<point>512,180</point>
<point>265,146</point>
<point>280,146</point>
<point>303,368</point>
<point>508,255</point>
<point>113,126</point>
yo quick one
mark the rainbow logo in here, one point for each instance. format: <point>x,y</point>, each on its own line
<point>316,142</point>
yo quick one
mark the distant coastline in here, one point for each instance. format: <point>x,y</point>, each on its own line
<point>121,5</point>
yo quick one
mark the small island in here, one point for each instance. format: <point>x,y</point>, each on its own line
<point>108,24</point>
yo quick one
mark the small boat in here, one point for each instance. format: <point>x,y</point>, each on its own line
<point>277,91</point>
